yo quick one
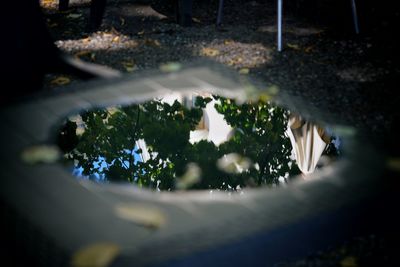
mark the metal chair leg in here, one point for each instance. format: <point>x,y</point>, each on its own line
<point>279,22</point>
<point>355,17</point>
<point>219,16</point>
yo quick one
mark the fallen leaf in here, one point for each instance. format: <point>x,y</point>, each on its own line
<point>115,39</point>
<point>95,255</point>
<point>82,53</point>
<point>244,71</point>
<point>74,16</point>
<point>171,67</point>
<point>152,42</point>
<point>61,80</point>
<point>122,21</point>
<point>86,40</point>
<point>52,25</point>
<point>196,20</point>
<point>227,41</point>
<point>129,66</point>
<point>41,154</point>
<point>141,215</point>
<point>308,49</point>
<point>107,35</point>
<point>293,46</point>
<point>210,52</point>
<point>235,60</point>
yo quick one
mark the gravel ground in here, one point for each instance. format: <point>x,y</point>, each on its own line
<point>348,75</point>
<point>352,76</point>
<point>333,68</point>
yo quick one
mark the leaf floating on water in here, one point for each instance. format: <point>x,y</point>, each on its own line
<point>61,80</point>
<point>210,52</point>
<point>171,67</point>
<point>41,154</point>
<point>74,16</point>
<point>190,177</point>
<point>141,215</point>
<point>95,255</point>
<point>129,66</point>
<point>244,71</point>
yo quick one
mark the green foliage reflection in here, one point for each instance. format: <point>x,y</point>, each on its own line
<point>149,144</point>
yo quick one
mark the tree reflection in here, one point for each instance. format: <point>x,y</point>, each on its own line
<point>168,145</point>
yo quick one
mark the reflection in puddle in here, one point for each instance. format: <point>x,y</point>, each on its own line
<point>199,142</point>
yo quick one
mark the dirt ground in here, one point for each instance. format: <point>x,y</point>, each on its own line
<point>352,76</point>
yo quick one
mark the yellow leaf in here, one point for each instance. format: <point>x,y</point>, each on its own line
<point>209,52</point>
<point>171,67</point>
<point>115,39</point>
<point>293,46</point>
<point>349,261</point>
<point>86,40</point>
<point>141,215</point>
<point>244,71</point>
<point>61,80</point>
<point>227,42</point>
<point>95,255</point>
<point>129,66</point>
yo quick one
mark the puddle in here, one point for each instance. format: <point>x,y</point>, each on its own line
<point>196,141</point>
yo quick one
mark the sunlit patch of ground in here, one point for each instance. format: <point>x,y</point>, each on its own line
<point>111,40</point>
<point>237,54</point>
<point>52,5</point>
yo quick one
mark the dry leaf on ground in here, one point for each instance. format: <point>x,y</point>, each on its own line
<point>61,80</point>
